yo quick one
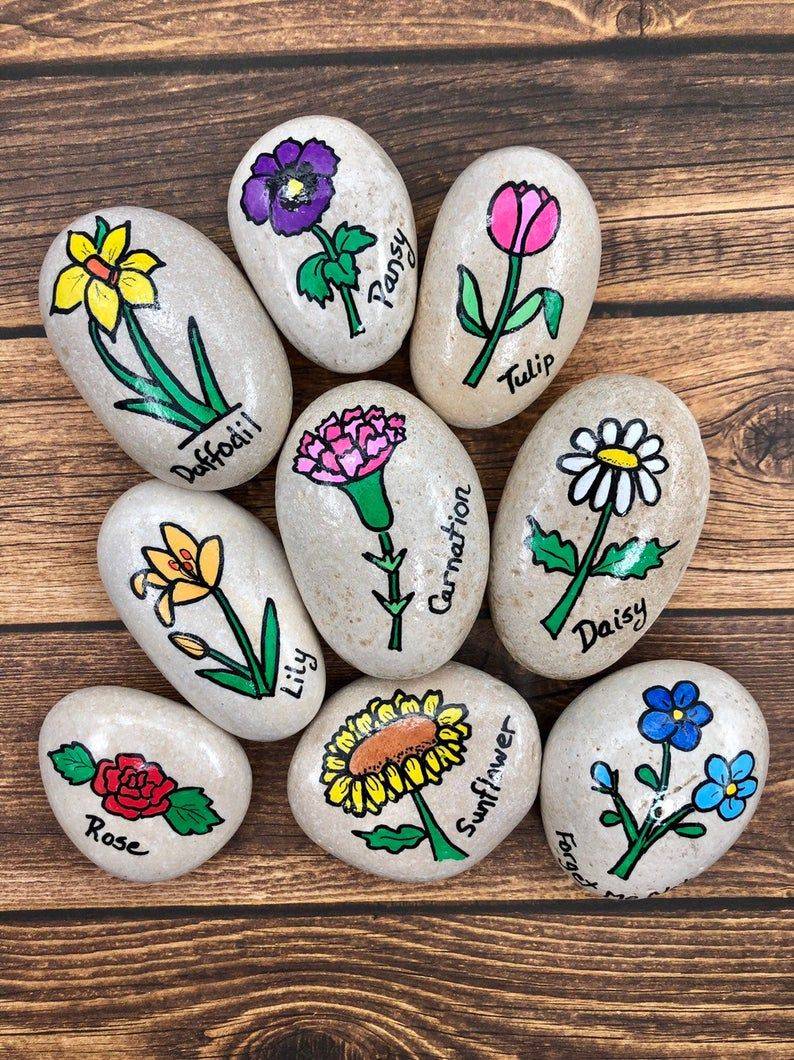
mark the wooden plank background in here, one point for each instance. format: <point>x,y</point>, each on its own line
<point>678,115</point>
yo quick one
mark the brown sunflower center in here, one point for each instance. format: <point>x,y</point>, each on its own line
<point>397,741</point>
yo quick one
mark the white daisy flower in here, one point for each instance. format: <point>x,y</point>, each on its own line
<point>613,464</point>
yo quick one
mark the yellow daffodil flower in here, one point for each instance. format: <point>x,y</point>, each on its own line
<point>184,571</point>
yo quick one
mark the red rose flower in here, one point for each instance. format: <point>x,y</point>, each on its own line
<point>131,787</point>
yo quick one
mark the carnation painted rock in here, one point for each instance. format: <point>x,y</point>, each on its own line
<point>598,521</point>
<point>507,286</point>
<point>418,781</point>
<point>650,775</point>
<point>384,522</point>
<point>324,228</point>
<point>205,589</point>
<point>169,346</point>
<point>144,787</point>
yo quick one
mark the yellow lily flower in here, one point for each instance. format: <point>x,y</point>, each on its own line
<point>183,572</point>
<point>104,276</point>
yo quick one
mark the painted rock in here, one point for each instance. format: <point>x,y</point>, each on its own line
<point>323,225</point>
<point>169,346</point>
<point>508,283</point>
<point>598,521</point>
<point>384,522</point>
<point>144,787</point>
<point>651,775</point>
<point>205,589</point>
<point>418,782</point>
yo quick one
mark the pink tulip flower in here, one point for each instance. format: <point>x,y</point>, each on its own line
<point>523,219</point>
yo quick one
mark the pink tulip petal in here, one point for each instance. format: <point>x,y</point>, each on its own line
<point>502,216</point>
<point>543,228</point>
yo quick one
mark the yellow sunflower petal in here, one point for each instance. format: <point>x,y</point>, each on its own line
<point>345,741</point>
<point>80,246</point>
<point>449,715</point>
<point>446,733</point>
<point>393,778</point>
<point>141,261</point>
<point>187,592</point>
<point>413,769</point>
<point>332,764</point>
<point>357,797</point>
<point>432,761</point>
<point>364,723</point>
<point>448,755</point>
<point>179,542</point>
<point>116,242</point>
<point>69,288</point>
<point>431,702</point>
<point>210,560</point>
<point>410,705</point>
<point>104,305</point>
<point>160,561</point>
<point>386,712</point>
<point>375,789</point>
<point>136,288</point>
<point>337,793</point>
<point>164,609</point>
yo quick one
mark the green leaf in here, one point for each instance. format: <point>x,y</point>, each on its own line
<point>549,550</point>
<point>311,281</point>
<point>229,679</point>
<point>691,831</point>
<point>102,229</point>
<point>647,775</point>
<point>269,645</point>
<point>609,818</point>
<point>74,762</point>
<point>406,837</point>
<point>526,310</point>
<point>552,310</point>
<point>191,812</point>
<point>353,238</point>
<point>633,559</point>
<point>206,376</point>
<point>343,272</point>
<point>469,306</point>
<point>159,410</point>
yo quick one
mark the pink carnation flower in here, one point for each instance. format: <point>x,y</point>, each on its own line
<point>349,447</point>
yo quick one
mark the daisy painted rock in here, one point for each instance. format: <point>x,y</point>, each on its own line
<point>416,781</point>
<point>598,520</point>
<point>169,346</point>
<point>146,788</point>
<point>205,589</point>
<point>324,227</point>
<point>651,775</point>
<point>384,522</point>
<point>507,286</point>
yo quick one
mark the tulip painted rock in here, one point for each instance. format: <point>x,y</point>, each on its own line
<point>205,589</point>
<point>383,519</point>
<point>508,283</point>
<point>323,225</point>
<point>650,775</point>
<point>169,346</point>
<point>598,521</point>
<point>144,787</point>
<point>417,782</point>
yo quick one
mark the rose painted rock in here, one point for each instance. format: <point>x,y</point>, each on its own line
<point>418,781</point>
<point>507,286</point>
<point>323,225</point>
<point>599,518</point>
<point>383,519</point>
<point>144,787</point>
<point>169,346</point>
<point>205,589</point>
<point>650,775</point>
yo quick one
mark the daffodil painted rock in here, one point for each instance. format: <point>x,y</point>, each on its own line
<point>169,346</point>
<point>598,520</point>
<point>417,781</point>
<point>205,589</point>
<point>651,775</point>
<point>383,519</point>
<point>144,787</point>
<point>507,286</point>
<point>323,225</point>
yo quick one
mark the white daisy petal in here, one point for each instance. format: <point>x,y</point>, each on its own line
<point>651,445</point>
<point>584,440</point>
<point>581,486</point>
<point>602,491</point>
<point>573,463</point>
<point>625,493</point>
<point>634,433</point>
<point>609,430</point>
<point>648,486</point>
<point>656,465</point>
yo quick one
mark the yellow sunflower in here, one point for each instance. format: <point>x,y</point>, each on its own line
<point>393,747</point>
<point>184,571</point>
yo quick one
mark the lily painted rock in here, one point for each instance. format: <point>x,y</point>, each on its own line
<point>169,346</point>
<point>508,283</point>
<point>384,522</point>
<point>205,589</point>
<point>598,520</point>
<point>146,788</point>
<point>324,227</point>
<point>418,781</point>
<point>651,775</point>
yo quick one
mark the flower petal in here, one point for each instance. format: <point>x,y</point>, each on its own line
<point>70,284</point>
<point>686,736</point>
<point>655,464</point>
<point>210,560</point>
<point>633,434</point>
<point>255,200</point>
<point>742,765</point>
<point>79,246</point>
<point>136,288</point>
<point>601,774</point>
<point>700,713</point>
<point>651,445</point>
<point>585,440</point>
<point>717,769</point>
<point>582,485</point>
<point>708,795</point>
<point>179,541</point>
<point>318,155</point>
<point>656,726</point>
<point>187,592</point>
<point>139,583</point>
<point>573,463</point>
<point>731,808</point>
<point>685,693</point>
<point>287,152</point>
<point>609,430</point>
<point>141,261</point>
<point>624,495</point>
<point>116,242</point>
<point>104,305</point>
<point>602,491</point>
<point>648,487</point>
<point>658,698</point>
<point>164,609</point>
<point>161,561</point>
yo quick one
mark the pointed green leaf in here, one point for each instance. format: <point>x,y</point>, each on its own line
<point>206,376</point>
<point>74,762</point>
<point>343,272</point>
<point>191,812</point>
<point>633,559</point>
<point>353,238</point>
<point>691,831</point>
<point>229,679</point>
<point>609,818</point>
<point>102,229</point>
<point>159,410</point>
<point>310,279</point>
<point>549,550</point>
<point>137,383</point>
<point>270,645</point>
<point>469,307</point>
<point>406,837</point>
<point>526,310</point>
<point>647,775</point>
<point>552,310</point>
<point>394,607</point>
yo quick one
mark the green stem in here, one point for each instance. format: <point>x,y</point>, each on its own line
<point>140,384</point>
<point>558,616</point>
<point>254,666</point>
<point>229,663</point>
<point>354,325</point>
<point>443,849</point>
<point>508,298</point>
<point>394,603</point>
<point>646,835</point>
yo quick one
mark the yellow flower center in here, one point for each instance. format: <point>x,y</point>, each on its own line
<point>677,714</point>
<point>394,743</point>
<point>293,188</point>
<point>618,457</point>
<point>731,789</point>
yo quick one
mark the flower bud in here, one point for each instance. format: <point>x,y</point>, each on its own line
<point>195,647</point>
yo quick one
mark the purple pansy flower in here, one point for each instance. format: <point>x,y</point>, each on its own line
<point>675,715</point>
<point>291,187</point>
<point>728,787</point>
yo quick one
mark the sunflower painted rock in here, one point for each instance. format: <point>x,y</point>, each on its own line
<point>417,781</point>
<point>205,589</point>
<point>651,775</point>
<point>146,788</point>
<point>169,346</point>
<point>324,227</point>
<point>598,520</point>
<point>507,286</point>
<point>384,522</point>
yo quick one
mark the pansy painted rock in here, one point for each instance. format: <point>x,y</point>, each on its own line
<point>507,286</point>
<point>205,589</point>
<point>144,787</point>
<point>169,346</point>
<point>383,519</point>
<point>418,781</point>
<point>598,521</point>
<point>324,228</point>
<point>651,775</point>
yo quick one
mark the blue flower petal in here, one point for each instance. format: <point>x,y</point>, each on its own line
<point>656,726</point>
<point>742,765</point>
<point>601,774</point>
<point>658,698</point>
<point>685,693</point>
<point>708,795</point>
<point>700,713</point>
<point>717,769</point>
<point>686,736</point>
<point>730,808</point>
<point>746,788</point>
